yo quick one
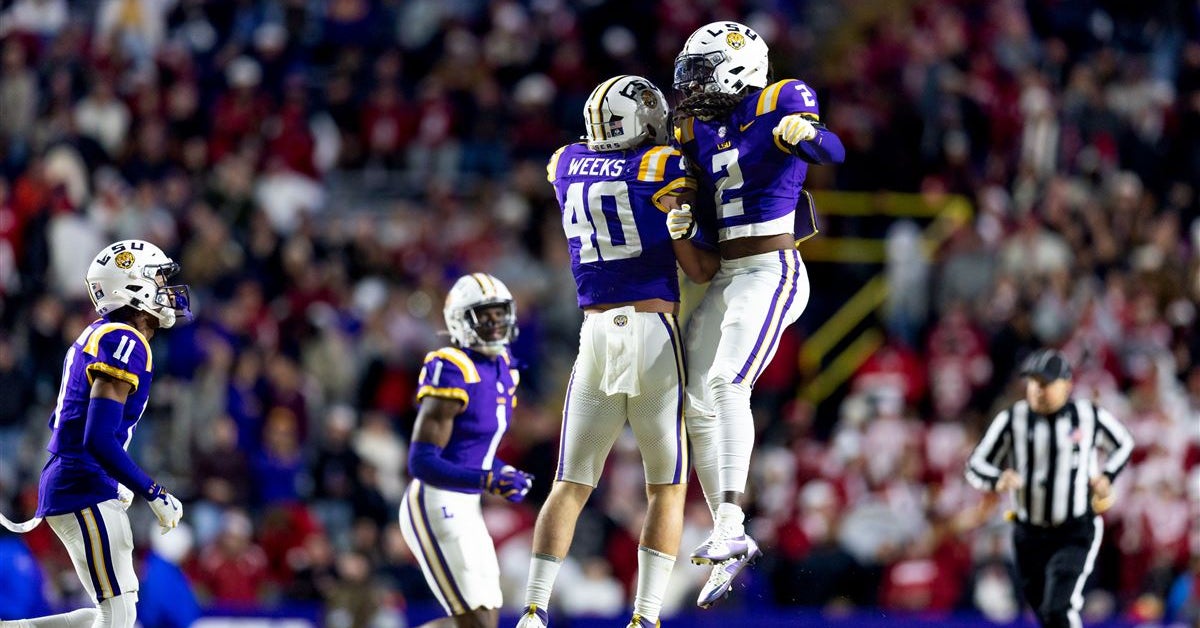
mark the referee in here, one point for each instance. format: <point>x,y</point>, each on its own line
<point>1044,448</point>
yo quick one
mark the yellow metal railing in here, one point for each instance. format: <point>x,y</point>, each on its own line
<point>948,213</point>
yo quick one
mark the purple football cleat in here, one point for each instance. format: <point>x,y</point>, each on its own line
<point>720,581</point>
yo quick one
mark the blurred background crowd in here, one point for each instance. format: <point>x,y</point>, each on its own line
<point>323,169</point>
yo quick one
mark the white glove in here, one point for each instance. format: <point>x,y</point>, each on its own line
<point>680,223</point>
<point>794,129</point>
<point>168,509</point>
<point>125,496</point>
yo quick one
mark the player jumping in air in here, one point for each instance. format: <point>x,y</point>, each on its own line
<point>467,393</point>
<point>614,190</point>
<point>90,480</point>
<point>750,142</point>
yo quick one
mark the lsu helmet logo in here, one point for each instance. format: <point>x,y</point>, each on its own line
<point>649,100</point>
<point>735,40</point>
<point>124,260</point>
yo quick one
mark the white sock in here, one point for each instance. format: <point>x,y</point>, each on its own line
<point>731,517</point>
<point>654,572</point>
<point>81,618</point>
<point>735,434</point>
<point>118,612</point>
<point>702,433</point>
<point>543,569</point>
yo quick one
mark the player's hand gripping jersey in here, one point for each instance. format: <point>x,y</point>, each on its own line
<point>614,219</point>
<point>757,175</point>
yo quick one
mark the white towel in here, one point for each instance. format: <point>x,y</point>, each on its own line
<point>621,327</point>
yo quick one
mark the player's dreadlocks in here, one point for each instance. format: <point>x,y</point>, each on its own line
<point>707,105</point>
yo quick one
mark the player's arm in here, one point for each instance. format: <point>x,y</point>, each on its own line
<point>800,131</point>
<point>435,424</point>
<point>106,406</point>
<point>983,468</point>
<point>675,199</point>
<point>697,262</point>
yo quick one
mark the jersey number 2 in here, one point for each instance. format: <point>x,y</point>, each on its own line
<point>589,216</point>
<point>725,164</point>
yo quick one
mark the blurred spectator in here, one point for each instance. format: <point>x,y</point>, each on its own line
<point>233,569</point>
<point>165,599</point>
<point>21,591</point>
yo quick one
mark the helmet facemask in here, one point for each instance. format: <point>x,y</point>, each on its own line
<point>489,327</point>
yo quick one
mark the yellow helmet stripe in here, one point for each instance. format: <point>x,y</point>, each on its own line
<point>594,104</point>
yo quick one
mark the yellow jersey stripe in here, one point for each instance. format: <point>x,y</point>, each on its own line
<point>682,183</point>
<point>653,165</point>
<point>552,166</point>
<point>92,347</point>
<point>685,131</point>
<point>460,359</point>
<point>768,99</point>
<point>93,532</point>
<point>113,372</point>
<point>444,393</point>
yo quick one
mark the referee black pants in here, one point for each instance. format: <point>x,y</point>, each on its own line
<point>1054,563</point>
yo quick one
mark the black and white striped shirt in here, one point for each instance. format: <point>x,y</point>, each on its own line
<point>1055,455</point>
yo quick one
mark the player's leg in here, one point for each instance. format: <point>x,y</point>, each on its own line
<point>703,331</point>
<point>1066,572</point>
<point>656,417</point>
<point>99,541</point>
<point>766,294</point>
<point>446,533</point>
<point>79,618</point>
<point>592,421</point>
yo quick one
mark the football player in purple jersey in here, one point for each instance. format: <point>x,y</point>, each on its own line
<point>614,191</point>
<point>467,394</point>
<point>89,480</point>
<point>750,142</point>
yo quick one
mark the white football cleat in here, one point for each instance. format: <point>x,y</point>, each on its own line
<point>534,617</point>
<point>720,581</point>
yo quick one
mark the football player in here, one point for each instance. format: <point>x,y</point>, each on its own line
<point>751,142</point>
<point>90,480</point>
<point>614,190</point>
<point>467,393</point>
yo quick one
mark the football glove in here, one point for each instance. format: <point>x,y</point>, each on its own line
<point>166,508</point>
<point>509,483</point>
<point>125,496</point>
<point>680,223</point>
<point>794,128</point>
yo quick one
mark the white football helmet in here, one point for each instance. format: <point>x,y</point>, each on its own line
<point>724,57</point>
<point>622,112</point>
<point>134,273</point>
<point>467,299</point>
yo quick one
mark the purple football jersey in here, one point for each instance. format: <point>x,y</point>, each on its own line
<point>756,180</point>
<point>72,479</point>
<point>488,389</point>
<point>615,222</point>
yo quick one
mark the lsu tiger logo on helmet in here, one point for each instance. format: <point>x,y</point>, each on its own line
<point>722,57</point>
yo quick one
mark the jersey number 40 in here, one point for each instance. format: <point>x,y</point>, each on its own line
<point>600,216</point>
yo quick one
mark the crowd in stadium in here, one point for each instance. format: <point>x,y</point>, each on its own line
<point>246,138</point>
